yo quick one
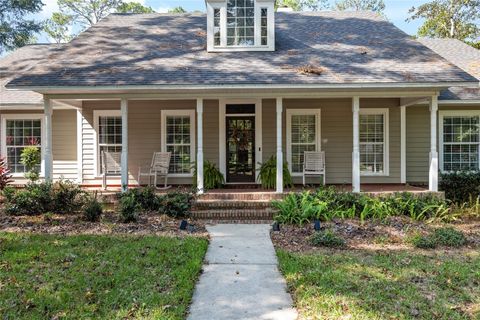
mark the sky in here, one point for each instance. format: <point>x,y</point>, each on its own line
<point>396,10</point>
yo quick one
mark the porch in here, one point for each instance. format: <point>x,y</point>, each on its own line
<point>365,138</point>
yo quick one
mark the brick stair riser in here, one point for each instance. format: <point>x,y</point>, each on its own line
<point>199,205</point>
<point>241,196</point>
<point>238,221</point>
<point>234,214</point>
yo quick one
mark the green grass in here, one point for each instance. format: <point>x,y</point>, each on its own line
<point>383,285</point>
<point>93,277</point>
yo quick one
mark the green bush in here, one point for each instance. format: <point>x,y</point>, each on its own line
<point>31,158</point>
<point>461,186</point>
<point>39,198</point>
<point>327,238</point>
<point>212,177</point>
<point>129,208</point>
<point>145,197</point>
<point>92,210</point>
<point>177,204</point>
<point>423,242</point>
<point>449,237</point>
<point>268,174</point>
<point>328,203</point>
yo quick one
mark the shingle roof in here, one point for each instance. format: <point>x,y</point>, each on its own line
<point>163,49</point>
<point>17,63</point>
<point>463,56</point>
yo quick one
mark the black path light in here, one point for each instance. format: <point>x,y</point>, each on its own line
<point>316,225</point>
<point>183,225</point>
<point>276,226</point>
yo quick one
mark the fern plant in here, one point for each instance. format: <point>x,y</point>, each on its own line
<point>268,174</point>
<point>212,177</point>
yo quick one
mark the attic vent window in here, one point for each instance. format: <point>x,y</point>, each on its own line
<point>240,25</point>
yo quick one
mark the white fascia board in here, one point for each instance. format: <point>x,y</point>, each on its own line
<point>376,85</point>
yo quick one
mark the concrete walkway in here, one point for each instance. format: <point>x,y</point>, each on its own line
<point>240,277</point>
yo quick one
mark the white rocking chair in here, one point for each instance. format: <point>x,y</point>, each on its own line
<point>111,165</point>
<point>158,167</point>
<point>314,164</point>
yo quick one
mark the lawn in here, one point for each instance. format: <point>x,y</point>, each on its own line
<point>103,276</point>
<point>362,284</point>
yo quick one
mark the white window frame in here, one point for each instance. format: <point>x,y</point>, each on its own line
<point>26,116</point>
<point>386,142</point>
<point>318,133</point>
<point>191,114</point>
<point>96,123</point>
<point>223,47</point>
<point>450,113</point>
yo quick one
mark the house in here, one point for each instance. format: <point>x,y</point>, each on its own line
<point>241,84</point>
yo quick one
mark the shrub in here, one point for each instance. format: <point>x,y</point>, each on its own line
<point>449,237</point>
<point>268,174</point>
<point>145,197</point>
<point>129,208</point>
<point>423,242</point>
<point>327,204</point>
<point>212,177</point>
<point>31,158</point>
<point>176,204</point>
<point>461,186</point>
<point>5,176</point>
<point>92,210</point>
<point>39,198</point>
<point>327,238</point>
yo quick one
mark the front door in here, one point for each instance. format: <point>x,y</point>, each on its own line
<point>240,149</point>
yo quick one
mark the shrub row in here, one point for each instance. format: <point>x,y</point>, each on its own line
<point>328,203</point>
<point>462,186</point>
<point>176,204</point>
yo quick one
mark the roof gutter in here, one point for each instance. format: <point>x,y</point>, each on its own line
<point>77,89</point>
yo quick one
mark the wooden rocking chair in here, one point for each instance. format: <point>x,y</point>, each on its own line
<point>159,167</point>
<point>314,164</point>
<point>111,165</point>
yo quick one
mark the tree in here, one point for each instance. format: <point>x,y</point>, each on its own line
<point>16,29</point>
<point>177,10</point>
<point>448,19</point>
<point>361,5</point>
<point>86,13</point>
<point>134,7</point>
<point>58,27</point>
<point>303,5</point>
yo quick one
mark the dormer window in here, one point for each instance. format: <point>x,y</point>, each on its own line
<point>240,25</point>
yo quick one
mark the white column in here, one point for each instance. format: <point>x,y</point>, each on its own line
<point>200,146</point>
<point>279,146</point>
<point>47,143</point>
<point>79,146</point>
<point>433,172</point>
<point>356,145</point>
<point>124,159</point>
<point>403,144</point>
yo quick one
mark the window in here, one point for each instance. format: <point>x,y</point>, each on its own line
<point>240,22</point>
<point>20,131</point>
<point>264,26</point>
<point>373,141</point>
<point>178,128</point>
<point>108,125</point>
<point>460,141</point>
<point>240,25</point>
<point>216,26</point>
<point>303,134</point>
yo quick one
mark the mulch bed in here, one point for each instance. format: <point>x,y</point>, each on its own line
<point>371,235</point>
<point>110,223</point>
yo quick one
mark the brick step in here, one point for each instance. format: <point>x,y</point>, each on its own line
<point>241,196</point>
<point>236,221</point>
<point>236,214</point>
<point>230,204</point>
